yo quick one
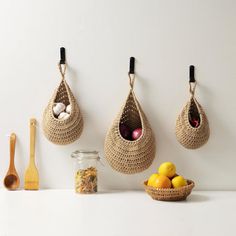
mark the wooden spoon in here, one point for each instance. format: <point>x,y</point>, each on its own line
<point>12,180</point>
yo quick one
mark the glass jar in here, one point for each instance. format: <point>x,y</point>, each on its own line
<point>85,171</point>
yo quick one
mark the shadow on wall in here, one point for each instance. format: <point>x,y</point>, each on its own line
<point>72,79</point>
<point>43,178</point>
<point>21,161</point>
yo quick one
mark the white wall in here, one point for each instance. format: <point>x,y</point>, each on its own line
<point>100,36</point>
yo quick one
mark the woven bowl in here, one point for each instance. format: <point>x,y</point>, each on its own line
<point>169,194</point>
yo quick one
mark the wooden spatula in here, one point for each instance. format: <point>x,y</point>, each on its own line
<point>31,174</point>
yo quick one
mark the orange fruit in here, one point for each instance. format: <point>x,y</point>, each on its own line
<point>161,181</point>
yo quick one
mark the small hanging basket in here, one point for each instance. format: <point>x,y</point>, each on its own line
<point>62,131</point>
<point>192,128</point>
<point>127,156</point>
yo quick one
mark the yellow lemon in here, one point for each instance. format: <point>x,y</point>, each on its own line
<point>178,181</point>
<point>168,169</point>
<point>152,179</point>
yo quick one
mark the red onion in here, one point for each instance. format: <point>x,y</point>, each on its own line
<point>194,123</point>
<point>125,131</point>
<point>136,133</point>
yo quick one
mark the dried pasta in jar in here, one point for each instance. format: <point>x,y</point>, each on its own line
<point>86,171</point>
<point>86,180</point>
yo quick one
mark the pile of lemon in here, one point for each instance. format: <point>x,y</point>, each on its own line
<point>166,177</point>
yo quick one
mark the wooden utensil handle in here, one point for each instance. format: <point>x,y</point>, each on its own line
<point>12,150</point>
<point>32,138</point>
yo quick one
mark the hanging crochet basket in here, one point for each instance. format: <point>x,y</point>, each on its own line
<point>192,128</point>
<point>126,156</point>
<point>62,131</point>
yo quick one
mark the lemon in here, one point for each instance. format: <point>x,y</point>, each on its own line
<point>178,181</point>
<point>168,169</point>
<point>152,179</point>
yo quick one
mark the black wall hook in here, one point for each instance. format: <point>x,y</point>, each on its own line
<point>131,65</point>
<point>192,74</point>
<point>62,55</point>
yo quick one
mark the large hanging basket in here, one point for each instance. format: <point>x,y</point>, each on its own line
<point>192,133</point>
<point>124,155</point>
<point>66,131</point>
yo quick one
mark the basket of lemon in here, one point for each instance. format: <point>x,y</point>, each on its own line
<point>166,185</point>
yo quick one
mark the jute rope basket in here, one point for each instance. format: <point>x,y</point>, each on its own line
<point>127,156</point>
<point>187,135</point>
<point>66,131</point>
<point>169,194</point>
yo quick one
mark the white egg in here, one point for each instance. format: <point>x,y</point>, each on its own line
<point>58,108</point>
<point>68,109</point>
<point>63,116</point>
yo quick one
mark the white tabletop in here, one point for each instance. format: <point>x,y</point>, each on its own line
<point>62,212</point>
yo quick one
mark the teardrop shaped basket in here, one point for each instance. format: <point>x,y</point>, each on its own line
<point>66,131</point>
<point>126,156</point>
<point>188,136</point>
